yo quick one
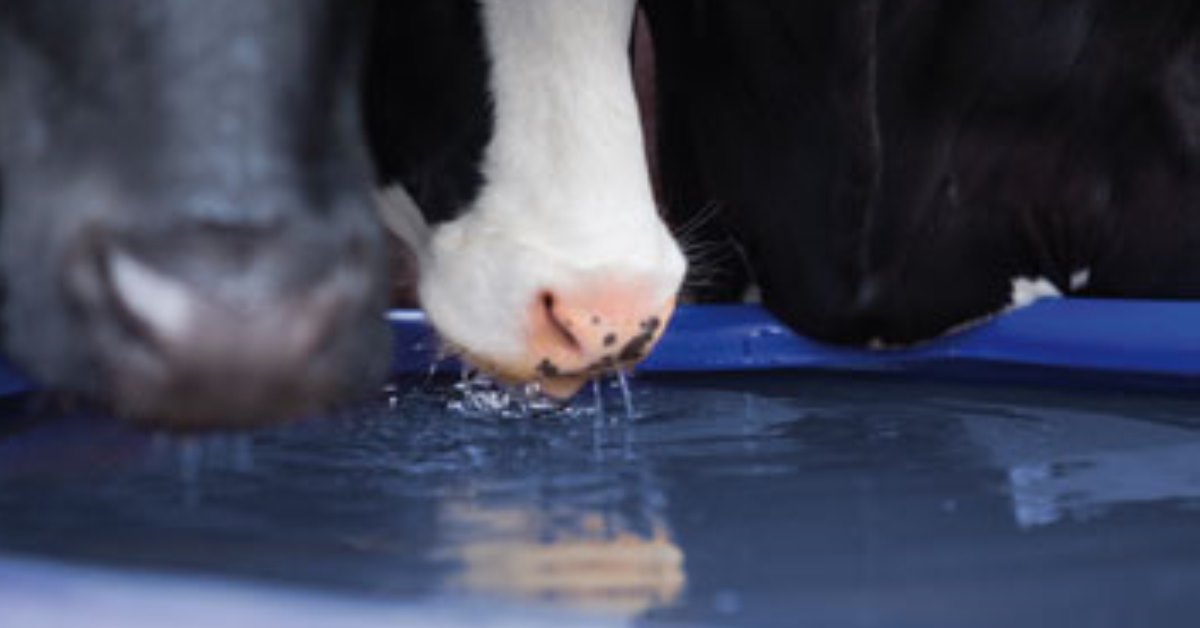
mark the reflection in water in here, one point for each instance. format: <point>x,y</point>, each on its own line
<point>725,500</point>
<point>1048,492</point>
<point>590,565</point>
<point>1069,464</point>
<point>563,542</point>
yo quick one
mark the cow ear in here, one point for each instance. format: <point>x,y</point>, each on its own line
<point>403,218</point>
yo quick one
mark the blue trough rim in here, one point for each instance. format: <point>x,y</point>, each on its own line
<point>1121,338</point>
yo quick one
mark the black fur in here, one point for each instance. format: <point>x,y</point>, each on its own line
<point>890,165</point>
<point>427,103</point>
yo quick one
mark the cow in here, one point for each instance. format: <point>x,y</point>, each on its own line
<point>188,231</point>
<point>508,139</point>
<point>890,169</point>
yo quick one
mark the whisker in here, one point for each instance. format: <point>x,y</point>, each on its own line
<point>706,214</point>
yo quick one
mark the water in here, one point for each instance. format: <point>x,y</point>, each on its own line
<point>626,395</point>
<point>747,501</point>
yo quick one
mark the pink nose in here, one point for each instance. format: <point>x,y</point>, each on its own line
<point>574,335</point>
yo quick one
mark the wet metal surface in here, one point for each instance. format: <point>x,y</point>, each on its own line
<point>785,500</point>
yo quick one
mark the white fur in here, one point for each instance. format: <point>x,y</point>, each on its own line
<point>1026,290</point>
<point>567,196</point>
<point>1080,279</point>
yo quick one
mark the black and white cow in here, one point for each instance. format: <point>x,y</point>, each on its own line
<point>515,128</point>
<point>891,167</point>
<point>188,228</point>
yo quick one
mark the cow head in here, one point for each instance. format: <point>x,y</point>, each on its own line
<point>557,266</point>
<point>187,225</point>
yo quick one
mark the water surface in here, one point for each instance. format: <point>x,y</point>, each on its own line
<point>726,500</point>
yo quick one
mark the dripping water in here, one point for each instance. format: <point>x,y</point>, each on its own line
<point>597,404</point>
<point>597,420</point>
<point>626,394</point>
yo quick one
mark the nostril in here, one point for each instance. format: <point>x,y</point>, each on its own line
<point>561,326</point>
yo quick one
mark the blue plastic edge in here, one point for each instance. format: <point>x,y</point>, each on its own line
<point>1155,338</point>
<point>1114,337</point>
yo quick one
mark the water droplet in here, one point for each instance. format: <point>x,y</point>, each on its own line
<point>598,401</point>
<point>626,394</point>
<point>481,397</point>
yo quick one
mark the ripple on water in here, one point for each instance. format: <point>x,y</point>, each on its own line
<point>469,491</point>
